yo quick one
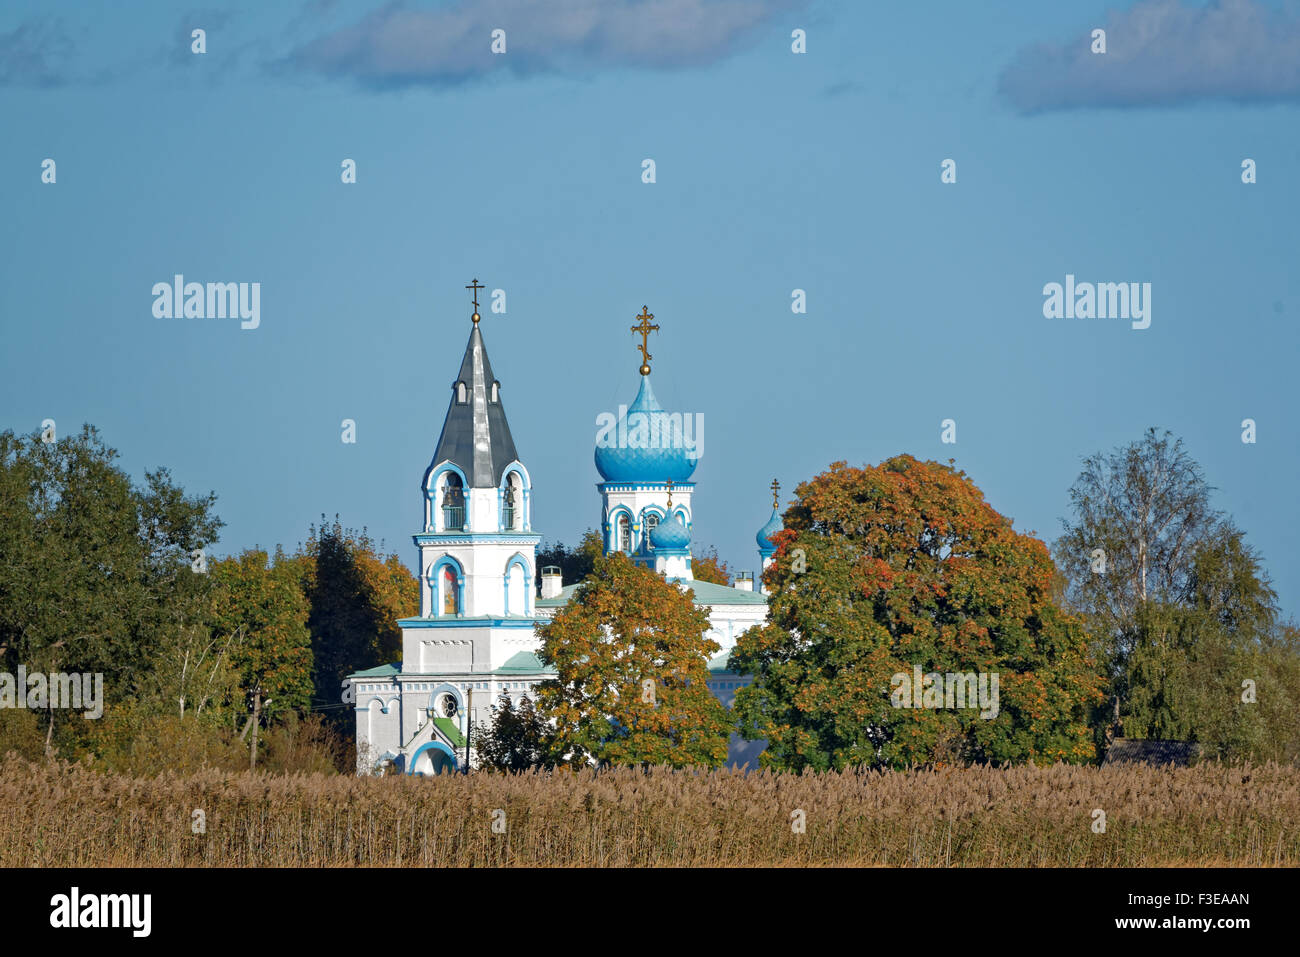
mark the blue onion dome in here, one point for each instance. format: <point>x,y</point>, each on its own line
<point>671,534</point>
<point>764,536</point>
<point>647,444</point>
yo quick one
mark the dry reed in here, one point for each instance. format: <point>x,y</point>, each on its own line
<point>69,815</point>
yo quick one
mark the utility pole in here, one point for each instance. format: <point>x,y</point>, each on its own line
<point>252,748</point>
<point>469,719</point>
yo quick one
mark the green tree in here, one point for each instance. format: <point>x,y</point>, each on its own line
<point>881,569</point>
<point>632,661</point>
<point>1179,606</point>
<point>260,609</point>
<point>516,739</point>
<point>1276,677</point>
<point>1185,670</point>
<point>574,564</point>
<point>356,596</point>
<point>96,573</point>
<point>1140,514</point>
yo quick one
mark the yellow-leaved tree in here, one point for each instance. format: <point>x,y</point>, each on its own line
<point>632,661</point>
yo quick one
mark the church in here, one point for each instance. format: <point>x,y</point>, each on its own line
<point>475,637</point>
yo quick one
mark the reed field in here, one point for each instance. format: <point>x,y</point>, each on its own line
<point>72,816</point>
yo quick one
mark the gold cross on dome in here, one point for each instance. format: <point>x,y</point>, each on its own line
<point>776,493</point>
<point>645,327</point>
<point>670,494</point>
<point>476,287</point>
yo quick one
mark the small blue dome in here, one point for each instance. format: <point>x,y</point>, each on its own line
<point>671,534</point>
<point>764,536</point>
<point>620,456</point>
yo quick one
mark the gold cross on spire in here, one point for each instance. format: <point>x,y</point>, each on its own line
<point>776,493</point>
<point>476,287</point>
<point>645,328</point>
<point>670,492</point>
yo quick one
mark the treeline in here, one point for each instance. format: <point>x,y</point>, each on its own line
<point>206,661</point>
<point>1150,617</point>
<point>1155,620</point>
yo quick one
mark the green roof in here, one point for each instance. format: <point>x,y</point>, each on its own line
<point>719,664</point>
<point>524,663</point>
<point>706,593</point>
<point>383,671</point>
<point>452,733</point>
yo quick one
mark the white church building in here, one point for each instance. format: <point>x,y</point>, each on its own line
<point>476,635</point>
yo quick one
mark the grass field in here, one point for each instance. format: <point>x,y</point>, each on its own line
<point>61,815</point>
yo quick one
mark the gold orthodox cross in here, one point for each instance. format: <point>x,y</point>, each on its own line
<point>776,493</point>
<point>645,328</point>
<point>670,495</point>
<point>476,287</point>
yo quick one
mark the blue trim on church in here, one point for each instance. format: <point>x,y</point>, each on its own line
<point>448,621</point>
<point>432,746</point>
<point>643,487</point>
<point>465,538</point>
<point>518,559</point>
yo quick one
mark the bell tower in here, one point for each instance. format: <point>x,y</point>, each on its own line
<point>477,549</point>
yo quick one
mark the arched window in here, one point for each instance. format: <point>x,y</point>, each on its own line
<point>450,592</point>
<point>512,513</point>
<point>460,393</point>
<point>453,504</point>
<point>624,534</point>
<point>516,600</point>
<point>649,524</point>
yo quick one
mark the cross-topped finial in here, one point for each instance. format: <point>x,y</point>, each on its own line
<point>476,287</point>
<point>670,492</point>
<point>776,493</point>
<point>645,328</point>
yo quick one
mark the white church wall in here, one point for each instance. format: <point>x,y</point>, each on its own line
<point>636,499</point>
<point>729,622</point>
<point>484,565</point>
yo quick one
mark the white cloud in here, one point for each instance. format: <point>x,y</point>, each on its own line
<point>1165,53</point>
<point>400,45</point>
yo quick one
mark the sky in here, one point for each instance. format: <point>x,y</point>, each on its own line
<point>774,171</point>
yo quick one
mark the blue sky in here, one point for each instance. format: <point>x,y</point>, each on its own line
<point>775,171</point>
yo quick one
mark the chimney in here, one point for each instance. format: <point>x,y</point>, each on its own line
<point>744,581</point>
<point>551,581</point>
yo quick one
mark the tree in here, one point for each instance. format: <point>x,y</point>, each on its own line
<point>632,661</point>
<point>356,597</point>
<point>709,568</point>
<point>574,564</point>
<point>1141,513</point>
<point>1184,673</point>
<point>1276,677</point>
<point>193,674</point>
<point>1177,603</point>
<point>260,608</point>
<point>97,574</point>
<point>880,570</point>
<point>516,739</point>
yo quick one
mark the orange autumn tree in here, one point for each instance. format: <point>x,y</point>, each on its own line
<point>632,661</point>
<point>708,567</point>
<point>881,569</point>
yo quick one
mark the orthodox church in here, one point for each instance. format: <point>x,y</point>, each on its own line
<point>475,637</point>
